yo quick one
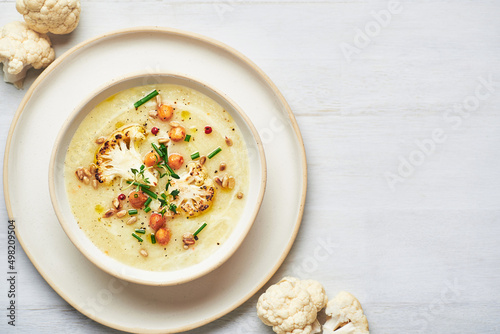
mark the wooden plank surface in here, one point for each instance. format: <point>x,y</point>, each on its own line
<point>400,121</point>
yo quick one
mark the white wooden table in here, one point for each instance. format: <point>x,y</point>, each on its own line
<point>400,119</point>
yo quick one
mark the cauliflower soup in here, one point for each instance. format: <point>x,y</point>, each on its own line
<point>156,176</point>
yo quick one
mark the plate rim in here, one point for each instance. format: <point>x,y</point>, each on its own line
<point>179,33</point>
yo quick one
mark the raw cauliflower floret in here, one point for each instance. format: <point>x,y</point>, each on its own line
<point>196,190</point>
<point>291,306</point>
<point>55,16</point>
<point>118,155</point>
<point>22,48</point>
<point>345,316</point>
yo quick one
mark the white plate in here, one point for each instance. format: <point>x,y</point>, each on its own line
<point>112,302</point>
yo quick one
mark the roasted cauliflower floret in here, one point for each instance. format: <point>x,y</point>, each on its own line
<point>117,156</point>
<point>196,190</point>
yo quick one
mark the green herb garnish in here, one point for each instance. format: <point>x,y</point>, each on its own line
<point>175,193</point>
<point>144,186</point>
<point>147,209</point>
<point>172,173</point>
<point>137,237</point>
<point>132,211</point>
<point>157,149</point>
<point>214,153</point>
<point>150,193</point>
<point>187,138</point>
<point>153,238</point>
<point>172,207</point>
<point>140,230</point>
<point>195,155</point>
<point>145,99</point>
<point>199,230</point>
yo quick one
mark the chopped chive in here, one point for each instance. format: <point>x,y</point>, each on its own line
<point>164,150</point>
<point>147,209</point>
<point>163,195</point>
<point>217,150</point>
<point>195,155</point>
<point>153,238</point>
<point>137,237</point>
<point>138,184</point>
<point>150,193</point>
<point>160,153</point>
<point>132,211</point>
<point>199,230</point>
<point>167,185</point>
<point>145,99</point>
<point>172,173</point>
<point>187,138</point>
<point>140,230</point>
<point>148,201</point>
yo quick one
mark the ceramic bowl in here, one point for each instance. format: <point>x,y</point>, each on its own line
<point>60,202</point>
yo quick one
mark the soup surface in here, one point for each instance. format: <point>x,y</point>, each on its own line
<point>141,183</point>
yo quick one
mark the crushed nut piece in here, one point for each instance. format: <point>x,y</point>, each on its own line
<point>100,140</point>
<point>225,181</point>
<point>79,173</point>
<point>218,180</point>
<point>188,240</point>
<point>163,140</point>
<point>86,172</point>
<point>109,213</point>
<point>121,214</point>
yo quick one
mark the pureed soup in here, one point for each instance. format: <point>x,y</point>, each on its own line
<point>158,185</point>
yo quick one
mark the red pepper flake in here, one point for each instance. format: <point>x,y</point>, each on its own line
<point>208,130</point>
<point>121,197</point>
<point>155,130</point>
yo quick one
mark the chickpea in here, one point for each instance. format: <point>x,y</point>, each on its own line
<point>165,112</point>
<point>156,221</point>
<point>137,199</point>
<point>152,159</point>
<point>175,160</point>
<point>163,236</point>
<point>177,134</point>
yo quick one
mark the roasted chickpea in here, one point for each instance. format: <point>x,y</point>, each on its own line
<point>165,112</point>
<point>177,133</point>
<point>137,199</point>
<point>163,236</point>
<point>152,159</point>
<point>175,160</point>
<point>156,221</point>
